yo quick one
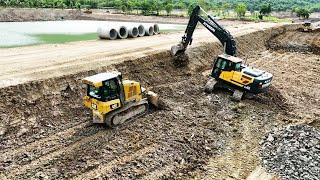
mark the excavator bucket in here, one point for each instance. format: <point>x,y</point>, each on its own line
<point>177,49</point>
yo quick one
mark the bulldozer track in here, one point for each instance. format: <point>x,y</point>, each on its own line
<point>52,140</point>
<point>47,157</point>
<point>103,169</point>
<point>49,138</point>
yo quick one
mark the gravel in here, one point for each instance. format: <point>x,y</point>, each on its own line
<point>292,152</point>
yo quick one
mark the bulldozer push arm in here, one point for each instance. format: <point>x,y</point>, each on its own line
<point>207,21</point>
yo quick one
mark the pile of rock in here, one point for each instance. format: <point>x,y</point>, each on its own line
<point>292,152</point>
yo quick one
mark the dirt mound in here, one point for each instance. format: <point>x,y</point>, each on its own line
<point>37,14</point>
<point>295,41</point>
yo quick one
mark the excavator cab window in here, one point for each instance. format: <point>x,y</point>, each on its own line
<point>237,66</point>
<point>224,64</point>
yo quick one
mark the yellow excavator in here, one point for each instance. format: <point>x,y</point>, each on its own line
<point>113,100</point>
<point>228,71</point>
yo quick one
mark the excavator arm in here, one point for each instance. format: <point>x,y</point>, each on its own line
<point>207,21</point>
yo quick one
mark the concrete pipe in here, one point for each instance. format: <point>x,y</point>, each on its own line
<point>149,30</point>
<point>156,29</point>
<point>122,32</point>
<point>133,32</point>
<point>102,33</point>
<point>141,30</point>
<point>107,33</point>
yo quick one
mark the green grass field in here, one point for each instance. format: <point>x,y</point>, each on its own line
<point>58,39</point>
<point>64,38</point>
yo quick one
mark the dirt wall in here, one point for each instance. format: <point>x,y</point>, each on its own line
<point>32,14</point>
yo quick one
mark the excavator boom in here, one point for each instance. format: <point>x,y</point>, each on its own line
<point>207,21</point>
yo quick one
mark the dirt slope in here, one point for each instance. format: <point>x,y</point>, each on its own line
<point>46,61</point>
<point>46,132</point>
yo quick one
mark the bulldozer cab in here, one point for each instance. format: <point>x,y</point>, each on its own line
<point>103,87</point>
<point>307,24</point>
<point>226,63</point>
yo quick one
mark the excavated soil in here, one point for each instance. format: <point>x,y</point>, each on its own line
<point>45,132</point>
<point>296,41</point>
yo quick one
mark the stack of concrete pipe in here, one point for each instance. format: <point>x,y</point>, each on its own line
<point>132,31</point>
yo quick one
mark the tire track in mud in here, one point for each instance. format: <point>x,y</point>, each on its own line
<point>48,157</point>
<point>157,174</point>
<point>45,145</point>
<point>104,169</point>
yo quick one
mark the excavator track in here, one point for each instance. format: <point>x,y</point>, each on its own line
<point>130,111</point>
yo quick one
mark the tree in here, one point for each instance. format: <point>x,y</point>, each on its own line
<point>168,6</point>
<point>191,7</point>
<point>304,13</point>
<point>264,10</point>
<point>157,6</point>
<point>146,7</point>
<point>225,8</point>
<point>180,5</point>
<point>241,9</point>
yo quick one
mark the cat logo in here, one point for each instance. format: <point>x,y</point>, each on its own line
<point>114,106</point>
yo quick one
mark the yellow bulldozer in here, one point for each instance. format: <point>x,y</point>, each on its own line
<point>113,100</point>
<point>306,27</point>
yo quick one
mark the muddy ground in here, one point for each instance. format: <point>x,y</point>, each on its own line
<point>45,132</point>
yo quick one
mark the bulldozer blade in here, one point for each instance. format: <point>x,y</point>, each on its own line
<point>177,49</point>
<point>153,98</point>
<point>156,101</point>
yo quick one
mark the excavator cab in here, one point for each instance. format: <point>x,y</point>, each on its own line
<point>226,63</point>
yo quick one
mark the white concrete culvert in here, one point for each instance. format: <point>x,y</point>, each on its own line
<point>122,32</point>
<point>107,33</point>
<point>149,30</point>
<point>112,34</point>
<point>102,32</point>
<point>156,29</point>
<point>141,30</point>
<point>133,32</point>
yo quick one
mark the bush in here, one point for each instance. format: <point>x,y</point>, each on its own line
<point>241,9</point>
<point>304,13</point>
